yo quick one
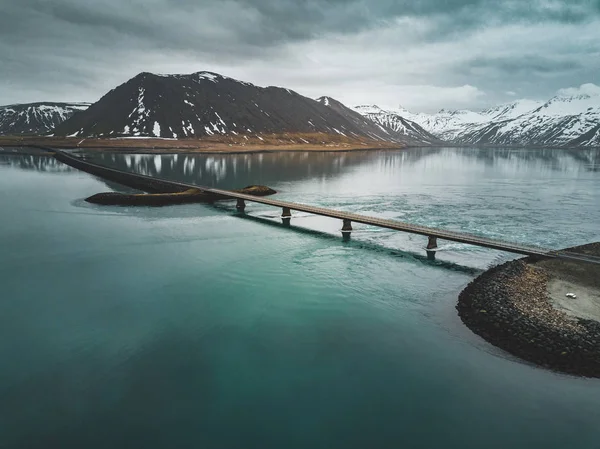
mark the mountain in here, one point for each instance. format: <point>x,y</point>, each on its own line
<point>569,121</point>
<point>511,110</point>
<point>36,118</point>
<point>562,121</point>
<point>447,125</point>
<point>397,121</point>
<point>443,126</point>
<point>206,104</point>
<point>365,127</point>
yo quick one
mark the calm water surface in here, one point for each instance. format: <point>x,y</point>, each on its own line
<point>191,326</point>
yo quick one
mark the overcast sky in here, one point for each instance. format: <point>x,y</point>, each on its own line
<point>422,54</point>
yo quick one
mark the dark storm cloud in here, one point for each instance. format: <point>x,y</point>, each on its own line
<point>271,22</point>
<point>71,49</point>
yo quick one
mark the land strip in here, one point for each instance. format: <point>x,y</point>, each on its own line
<point>215,144</point>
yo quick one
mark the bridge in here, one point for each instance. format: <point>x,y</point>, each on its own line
<point>152,184</point>
<point>431,233</point>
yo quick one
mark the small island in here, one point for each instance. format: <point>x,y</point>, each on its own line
<point>544,311</point>
<point>170,198</point>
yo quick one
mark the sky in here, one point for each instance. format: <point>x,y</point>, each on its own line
<point>424,55</point>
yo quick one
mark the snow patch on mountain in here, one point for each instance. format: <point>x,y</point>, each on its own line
<point>397,121</point>
<point>511,110</point>
<point>206,104</point>
<point>561,121</point>
<point>36,118</point>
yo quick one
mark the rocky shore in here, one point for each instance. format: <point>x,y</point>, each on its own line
<point>511,307</point>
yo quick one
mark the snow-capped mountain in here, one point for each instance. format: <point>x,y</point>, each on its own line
<point>511,110</point>
<point>444,126</point>
<point>397,121</point>
<point>561,121</point>
<point>206,104</point>
<point>36,118</point>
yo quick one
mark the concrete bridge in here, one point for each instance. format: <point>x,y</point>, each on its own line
<point>152,184</point>
<point>432,234</point>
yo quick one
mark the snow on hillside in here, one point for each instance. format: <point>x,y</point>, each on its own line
<point>566,106</point>
<point>397,121</point>
<point>206,104</point>
<point>511,110</point>
<point>561,121</point>
<point>36,118</point>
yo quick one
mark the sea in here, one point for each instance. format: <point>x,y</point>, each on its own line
<point>197,326</point>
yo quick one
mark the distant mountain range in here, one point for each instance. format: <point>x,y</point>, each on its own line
<point>569,121</point>
<point>209,105</point>
<point>400,129</point>
<point>206,104</point>
<point>399,123</point>
<point>36,118</point>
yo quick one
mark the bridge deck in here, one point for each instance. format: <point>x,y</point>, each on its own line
<point>392,224</point>
<point>454,236</point>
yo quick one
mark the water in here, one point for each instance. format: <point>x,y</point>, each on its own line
<point>189,326</point>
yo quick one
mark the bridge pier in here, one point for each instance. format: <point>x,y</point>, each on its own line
<point>432,243</point>
<point>241,205</point>
<point>287,213</point>
<point>347,227</point>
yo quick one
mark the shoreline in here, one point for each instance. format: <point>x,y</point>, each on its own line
<point>224,145</point>
<point>36,151</point>
<point>240,144</point>
<point>513,307</point>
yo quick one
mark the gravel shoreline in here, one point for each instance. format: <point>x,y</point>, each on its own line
<point>509,306</point>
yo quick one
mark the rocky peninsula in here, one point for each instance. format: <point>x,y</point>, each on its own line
<point>526,307</point>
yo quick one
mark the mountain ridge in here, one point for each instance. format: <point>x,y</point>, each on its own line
<point>402,125</point>
<point>36,118</point>
<point>568,121</point>
<point>206,104</point>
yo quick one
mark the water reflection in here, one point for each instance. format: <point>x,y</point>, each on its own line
<point>37,163</point>
<point>510,160</point>
<point>238,170</point>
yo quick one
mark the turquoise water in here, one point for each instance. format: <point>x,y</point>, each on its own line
<point>191,326</point>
